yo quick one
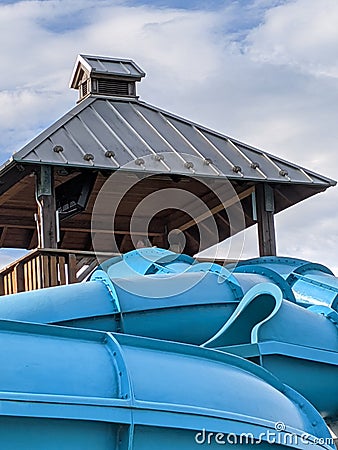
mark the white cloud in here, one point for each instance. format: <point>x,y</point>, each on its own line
<point>273,84</point>
<point>163,40</point>
<point>301,33</point>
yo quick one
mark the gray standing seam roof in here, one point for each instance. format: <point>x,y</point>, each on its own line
<point>116,66</point>
<point>112,133</point>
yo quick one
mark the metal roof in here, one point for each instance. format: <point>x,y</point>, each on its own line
<point>109,130</point>
<point>112,133</point>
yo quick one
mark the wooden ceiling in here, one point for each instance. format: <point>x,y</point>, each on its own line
<point>18,209</point>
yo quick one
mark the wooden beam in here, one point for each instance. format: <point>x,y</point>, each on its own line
<point>265,219</point>
<point>192,245</point>
<point>12,222</point>
<point>103,231</point>
<point>19,278</point>
<point>160,241</point>
<point>48,221</point>
<point>221,262</point>
<point>124,242</point>
<point>26,223</point>
<point>191,237</point>
<point>288,201</point>
<point>87,271</point>
<point>72,268</point>
<point>16,189</point>
<point>3,236</point>
<point>220,217</point>
<point>207,214</point>
<point>45,193</point>
<point>23,219</point>
<point>33,239</point>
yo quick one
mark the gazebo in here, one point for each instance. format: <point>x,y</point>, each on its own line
<point>50,188</point>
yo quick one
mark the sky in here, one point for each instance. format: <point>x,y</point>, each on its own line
<point>262,71</point>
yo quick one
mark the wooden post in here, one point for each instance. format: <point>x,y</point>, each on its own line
<point>2,285</point>
<point>265,219</point>
<point>72,269</point>
<point>20,277</point>
<point>45,194</point>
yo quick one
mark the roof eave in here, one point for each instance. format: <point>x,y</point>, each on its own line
<point>322,185</point>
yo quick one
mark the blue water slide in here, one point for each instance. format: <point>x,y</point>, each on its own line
<point>299,345</point>
<point>253,310</point>
<point>150,292</point>
<point>68,388</point>
<point>305,282</point>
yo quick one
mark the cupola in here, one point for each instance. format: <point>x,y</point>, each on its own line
<point>103,76</point>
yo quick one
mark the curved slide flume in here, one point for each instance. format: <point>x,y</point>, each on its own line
<point>67,388</point>
<point>298,345</point>
<point>257,306</point>
<point>252,311</point>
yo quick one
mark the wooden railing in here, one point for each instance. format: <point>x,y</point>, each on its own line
<point>43,268</point>
<point>48,267</point>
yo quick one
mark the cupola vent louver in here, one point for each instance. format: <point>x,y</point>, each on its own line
<point>113,87</point>
<point>103,76</point>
